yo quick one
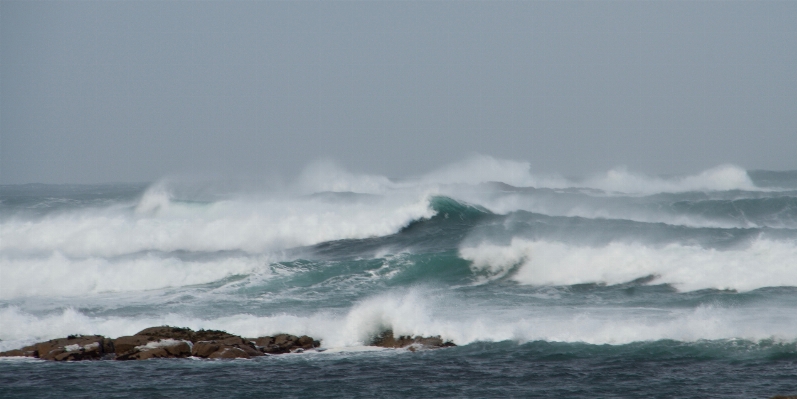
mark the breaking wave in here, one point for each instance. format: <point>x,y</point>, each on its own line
<point>763,263</point>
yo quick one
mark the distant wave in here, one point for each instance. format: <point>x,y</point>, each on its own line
<point>328,176</point>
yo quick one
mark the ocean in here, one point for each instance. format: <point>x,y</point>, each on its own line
<point>612,285</point>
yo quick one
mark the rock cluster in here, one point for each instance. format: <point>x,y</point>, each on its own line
<point>164,342</point>
<point>387,340</point>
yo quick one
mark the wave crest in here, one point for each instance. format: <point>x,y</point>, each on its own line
<point>764,263</point>
<point>723,177</point>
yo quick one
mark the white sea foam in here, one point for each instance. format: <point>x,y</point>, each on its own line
<point>764,263</point>
<point>723,177</point>
<point>329,176</point>
<point>156,198</point>
<point>254,226</point>
<point>457,319</point>
<point>59,276</point>
<point>481,168</point>
<point>595,208</point>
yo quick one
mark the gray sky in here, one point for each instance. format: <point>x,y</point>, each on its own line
<point>132,91</point>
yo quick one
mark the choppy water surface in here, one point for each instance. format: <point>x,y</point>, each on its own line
<point>614,285</point>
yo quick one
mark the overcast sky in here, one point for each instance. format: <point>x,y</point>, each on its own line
<point>133,91</point>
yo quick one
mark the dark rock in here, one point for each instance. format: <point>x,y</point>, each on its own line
<point>127,343</point>
<point>153,353</point>
<point>168,332</point>
<point>285,340</point>
<point>387,340</point>
<point>306,342</point>
<point>250,350</point>
<point>166,348</point>
<point>275,350</point>
<point>214,349</point>
<point>164,342</point>
<point>229,352</point>
<point>204,348</point>
<point>213,335</point>
<point>180,349</point>
<point>108,346</point>
<point>234,340</point>
<point>28,351</point>
<point>186,334</point>
<point>263,341</point>
<point>85,347</point>
<point>285,343</point>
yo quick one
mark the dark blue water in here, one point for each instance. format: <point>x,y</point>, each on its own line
<point>537,369</point>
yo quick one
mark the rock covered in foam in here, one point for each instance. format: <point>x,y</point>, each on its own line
<point>387,340</point>
<point>165,342</point>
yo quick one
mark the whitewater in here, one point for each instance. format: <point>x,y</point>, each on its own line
<point>691,276</point>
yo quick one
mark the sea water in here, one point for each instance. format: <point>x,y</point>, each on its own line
<point>612,285</point>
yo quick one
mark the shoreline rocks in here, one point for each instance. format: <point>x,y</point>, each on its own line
<point>387,340</point>
<point>164,342</point>
<point>167,342</point>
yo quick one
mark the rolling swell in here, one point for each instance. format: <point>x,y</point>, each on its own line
<point>455,222</point>
<point>674,272</point>
<point>450,224</point>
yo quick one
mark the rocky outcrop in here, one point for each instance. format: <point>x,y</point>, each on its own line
<point>285,343</point>
<point>387,340</point>
<point>165,342</point>
<point>28,351</point>
<point>162,348</point>
<point>73,347</point>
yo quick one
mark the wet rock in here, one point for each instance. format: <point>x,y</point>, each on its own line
<point>165,348</point>
<point>285,343</point>
<point>28,351</point>
<point>83,347</point>
<point>387,340</point>
<point>214,335</point>
<point>205,348</point>
<point>234,340</point>
<point>127,343</point>
<point>165,342</point>
<point>263,341</point>
<point>225,349</point>
<point>284,339</point>
<point>185,334</point>
<point>229,352</point>
<point>181,349</point>
<point>158,353</point>
<point>306,342</point>
<point>250,350</point>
